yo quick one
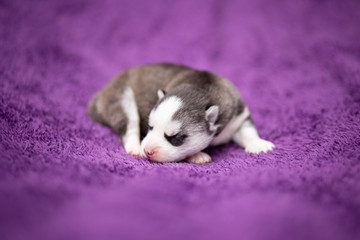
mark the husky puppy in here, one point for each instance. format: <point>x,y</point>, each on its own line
<point>176,111</point>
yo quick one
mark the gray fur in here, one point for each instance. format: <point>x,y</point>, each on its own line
<point>198,90</point>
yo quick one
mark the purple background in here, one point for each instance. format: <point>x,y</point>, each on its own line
<point>296,64</point>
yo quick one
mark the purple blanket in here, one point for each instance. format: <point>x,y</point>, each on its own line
<point>296,64</point>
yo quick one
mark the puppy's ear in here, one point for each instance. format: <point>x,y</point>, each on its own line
<point>211,115</point>
<point>161,93</point>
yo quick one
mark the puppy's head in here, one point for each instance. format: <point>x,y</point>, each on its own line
<point>178,129</point>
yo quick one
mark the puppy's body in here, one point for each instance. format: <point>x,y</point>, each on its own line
<point>193,110</point>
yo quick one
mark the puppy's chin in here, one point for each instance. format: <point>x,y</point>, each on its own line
<point>166,156</point>
<point>167,160</point>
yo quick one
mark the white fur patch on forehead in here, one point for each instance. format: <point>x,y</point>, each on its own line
<point>172,128</point>
<point>162,115</point>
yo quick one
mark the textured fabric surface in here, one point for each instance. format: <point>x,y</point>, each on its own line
<point>296,64</point>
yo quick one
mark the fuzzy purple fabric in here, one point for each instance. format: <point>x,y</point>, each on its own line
<point>296,64</point>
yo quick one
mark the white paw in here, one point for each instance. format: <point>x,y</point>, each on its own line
<point>199,158</point>
<point>132,147</point>
<point>258,146</point>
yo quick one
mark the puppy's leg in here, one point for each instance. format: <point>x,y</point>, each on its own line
<point>199,158</point>
<point>119,112</point>
<point>248,138</point>
<point>131,137</point>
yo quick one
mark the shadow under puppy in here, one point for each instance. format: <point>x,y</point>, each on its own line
<point>176,111</point>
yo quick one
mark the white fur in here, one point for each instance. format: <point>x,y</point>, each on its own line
<point>248,138</point>
<point>131,139</point>
<point>161,120</point>
<point>228,132</point>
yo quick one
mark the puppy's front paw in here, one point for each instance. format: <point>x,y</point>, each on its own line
<point>258,146</point>
<point>199,158</point>
<point>133,148</point>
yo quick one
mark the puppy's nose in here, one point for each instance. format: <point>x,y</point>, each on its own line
<point>149,153</point>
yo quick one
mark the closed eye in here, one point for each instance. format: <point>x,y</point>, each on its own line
<point>151,128</point>
<point>176,140</point>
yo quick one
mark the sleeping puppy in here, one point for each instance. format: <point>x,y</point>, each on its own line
<point>176,111</point>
